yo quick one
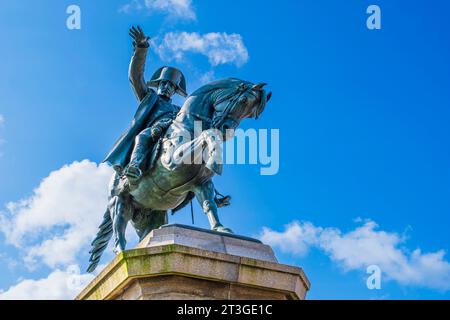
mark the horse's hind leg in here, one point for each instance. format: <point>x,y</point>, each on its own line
<point>119,209</point>
<point>145,220</point>
<point>205,195</point>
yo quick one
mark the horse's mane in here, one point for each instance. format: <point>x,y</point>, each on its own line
<point>228,85</point>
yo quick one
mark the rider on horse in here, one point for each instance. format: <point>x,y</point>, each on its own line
<point>130,155</point>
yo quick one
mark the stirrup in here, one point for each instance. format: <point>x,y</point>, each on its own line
<point>222,201</point>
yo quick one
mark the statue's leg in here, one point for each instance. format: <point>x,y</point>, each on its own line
<point>205,195</point>
<point>120,217</point>
<point>145,220</point>
<point>212,153</point>
<point>142,146</point>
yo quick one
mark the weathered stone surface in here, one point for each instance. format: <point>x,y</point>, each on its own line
<point>193,288</point>
<point>162,268</point>
<point>239,292</point>
<point>209,240</point>
<point>131,292</point>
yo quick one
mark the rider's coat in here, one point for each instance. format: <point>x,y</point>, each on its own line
<point>151,109</point>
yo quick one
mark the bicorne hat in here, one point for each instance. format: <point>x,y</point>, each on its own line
<point>171,74</point>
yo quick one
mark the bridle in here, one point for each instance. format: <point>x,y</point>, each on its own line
<point>233,98</point>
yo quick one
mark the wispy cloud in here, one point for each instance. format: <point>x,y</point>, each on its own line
<point>174,9</point>
<point>218,47</point>
<point>2,119</point>
<point>58,285</point>
<point>61,216</point>
<point>207,77</point>
<point>365,245</point>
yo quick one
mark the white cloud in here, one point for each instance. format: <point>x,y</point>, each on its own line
<point>134,5</point>
<point>219,48</point>
<point>207,77</point>
<point>364,246</point>
<point>174,9</point>
<point>296,239</point>
<point>2,119</point>
<point>58,285</point>
<point>61,216</point>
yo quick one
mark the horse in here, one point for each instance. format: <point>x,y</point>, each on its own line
<point>181,168</point>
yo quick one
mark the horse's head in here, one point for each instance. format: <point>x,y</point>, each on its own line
<point>237,101</point>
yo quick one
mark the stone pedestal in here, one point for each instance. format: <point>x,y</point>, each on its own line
<point>183,262</point>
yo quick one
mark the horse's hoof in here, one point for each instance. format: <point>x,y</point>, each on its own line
<point>223,229</point>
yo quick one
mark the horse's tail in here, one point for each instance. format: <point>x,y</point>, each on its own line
<point>101,241</point>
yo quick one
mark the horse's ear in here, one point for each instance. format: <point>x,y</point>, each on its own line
<point>258,86</point>
<point>262,103</point>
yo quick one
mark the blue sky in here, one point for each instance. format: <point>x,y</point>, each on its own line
<point>364,137</point>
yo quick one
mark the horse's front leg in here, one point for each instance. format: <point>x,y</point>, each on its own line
<point>119,208</point>
<point>205,195</point>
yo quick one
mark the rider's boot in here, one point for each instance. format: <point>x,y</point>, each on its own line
<point>135,168</point>
<point>143,146</point>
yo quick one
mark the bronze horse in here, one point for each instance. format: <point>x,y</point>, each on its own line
<point>181,168</point>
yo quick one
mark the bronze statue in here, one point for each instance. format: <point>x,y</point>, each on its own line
<point>154,114</point>
<point>157,169</point>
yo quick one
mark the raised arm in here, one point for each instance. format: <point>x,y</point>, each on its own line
<point>137,64</point>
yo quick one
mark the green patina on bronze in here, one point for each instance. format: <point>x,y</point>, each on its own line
<point>150,180</point>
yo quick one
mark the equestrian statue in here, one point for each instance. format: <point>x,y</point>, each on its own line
<point>163,160</point>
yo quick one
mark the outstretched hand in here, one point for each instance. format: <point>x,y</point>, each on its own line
<point>139,37</point>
